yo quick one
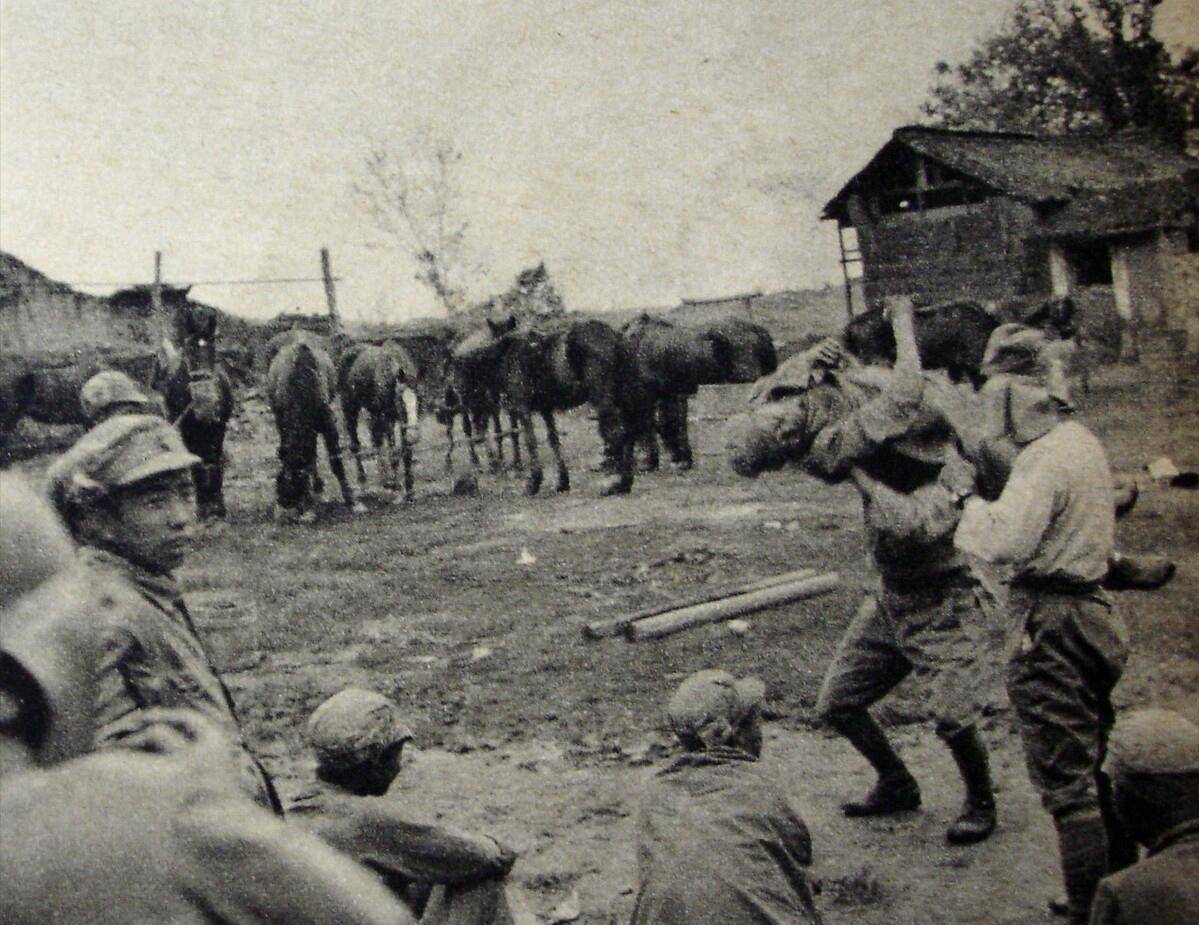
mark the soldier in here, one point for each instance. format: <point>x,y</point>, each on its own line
<point>155,829</point>
<point>1153,764</point>
<point>125,492</point>
<point>719,842</point>
<point>1043,547</point>
<point>109,393</point>
<point>868,424</point>
<point>444,875</point>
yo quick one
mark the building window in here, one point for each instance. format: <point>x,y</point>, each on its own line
<point>1090,262</point>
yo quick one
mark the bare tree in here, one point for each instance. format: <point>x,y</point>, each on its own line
<point>414,195</point>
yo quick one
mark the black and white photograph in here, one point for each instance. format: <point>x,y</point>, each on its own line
<point>613,462</point>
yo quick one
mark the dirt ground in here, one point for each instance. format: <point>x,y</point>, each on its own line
<point>468,612</point>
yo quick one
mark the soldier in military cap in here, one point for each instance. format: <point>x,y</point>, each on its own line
<point>1153,764</point>
<point>125,492</point>
<point>718,841</point>
<point>444,875</point>
<point>109,393</point>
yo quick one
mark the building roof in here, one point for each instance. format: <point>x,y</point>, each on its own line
<point>1081,182</point>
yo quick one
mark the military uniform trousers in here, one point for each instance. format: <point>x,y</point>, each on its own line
<point>931,629</point>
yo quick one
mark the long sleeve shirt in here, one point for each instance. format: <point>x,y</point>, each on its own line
<point>394,841</point>
<point>1054,518</point>
<point>1162,889</point>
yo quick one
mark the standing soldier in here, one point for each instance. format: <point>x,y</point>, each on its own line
<point>124,491</point>
<point>1045,544</point>
<point>869,424</point>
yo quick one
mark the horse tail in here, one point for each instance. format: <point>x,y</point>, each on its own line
<point>305,378</point>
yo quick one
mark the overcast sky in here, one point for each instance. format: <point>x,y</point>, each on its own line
<point>646,151</point>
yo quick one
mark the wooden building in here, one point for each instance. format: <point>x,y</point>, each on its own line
<point>1003,217</point>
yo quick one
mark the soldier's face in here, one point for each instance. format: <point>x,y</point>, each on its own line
<point>155,521</point>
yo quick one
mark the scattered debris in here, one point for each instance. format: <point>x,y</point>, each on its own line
<point>478,653</point>
<point>566,911</point>
<point>526,557</point>
<point>739,627</point>
<point>1162,469</point>
<point>772,525</point>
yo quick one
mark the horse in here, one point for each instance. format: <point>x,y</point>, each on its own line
<point>674,360</point>
<point>471,391</point>
<point>373,378</point>
<point>561,364</point>
<point>300,385</point>
<point>951,336</point>
<point>198,397</point>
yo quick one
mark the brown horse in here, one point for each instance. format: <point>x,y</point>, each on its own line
<point>198,396</point>
<point>300,387</point>
<point>674,360</point>
<point>373,378</point>
<point>471,392</point>
<point>561,364</point>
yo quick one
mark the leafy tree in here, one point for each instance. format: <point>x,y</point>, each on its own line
<point>1067,66</point>
<point>413,194</point>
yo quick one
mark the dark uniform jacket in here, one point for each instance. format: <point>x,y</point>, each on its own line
<point>1163,889</point>
<point>154,658</point>
<point>719,843</point>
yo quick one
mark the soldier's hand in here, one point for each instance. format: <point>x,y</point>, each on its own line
<point>957,474</point>
<point>906,386</point>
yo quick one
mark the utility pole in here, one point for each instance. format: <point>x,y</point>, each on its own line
<point>330,291</point>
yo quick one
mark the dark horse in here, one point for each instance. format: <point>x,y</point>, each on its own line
<point>472,391</point>
<point>953,335</point>
<point>198,397</point>
<point>300,387</point>
<point>561,364</point>
<point>372,378</point>
<point>674,360</point>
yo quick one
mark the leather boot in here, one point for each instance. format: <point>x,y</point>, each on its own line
<point>977,819</point>
<point>896,790</point>
<point>1082,841</point>
<point>1144,573</point>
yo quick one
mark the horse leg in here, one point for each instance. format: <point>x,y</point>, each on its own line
<point>482,427</point>
<point>405,448</point>
<point>673,422</point>
<point>551,435</point>
<point>517,462</point>
<point>533,482</point>
<point>468,428</point>
<point>648,441</point>
<point>350,412</point>
<point>333,449</point>
<point>381,440</point>
<point>615,433</point>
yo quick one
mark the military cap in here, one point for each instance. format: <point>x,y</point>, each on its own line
<point>1152,741</point>
<point>110,387</point>
<point>34,545</point>
<point>116,453</point>
<point>355,726</point>
<point>713,700</point>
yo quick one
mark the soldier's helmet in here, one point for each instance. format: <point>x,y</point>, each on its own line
<point>711,703</point>
<point>116,453</point>
<point>354,727</point>
<point>108,388</point>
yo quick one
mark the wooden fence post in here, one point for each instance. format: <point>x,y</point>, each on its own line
<point>330,291</point>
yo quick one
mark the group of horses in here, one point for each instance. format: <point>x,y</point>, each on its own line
<point>637,379</point>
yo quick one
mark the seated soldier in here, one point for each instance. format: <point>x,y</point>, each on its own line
<point>1153,765</point>
<point>154,830</point>
<point>125,493</point>
<point>719,842</point>
<point>109,393</point>
<point>444,875</point>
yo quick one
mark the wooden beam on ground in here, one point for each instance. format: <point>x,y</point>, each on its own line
<point>675,621</point>
<point>614,626</point>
